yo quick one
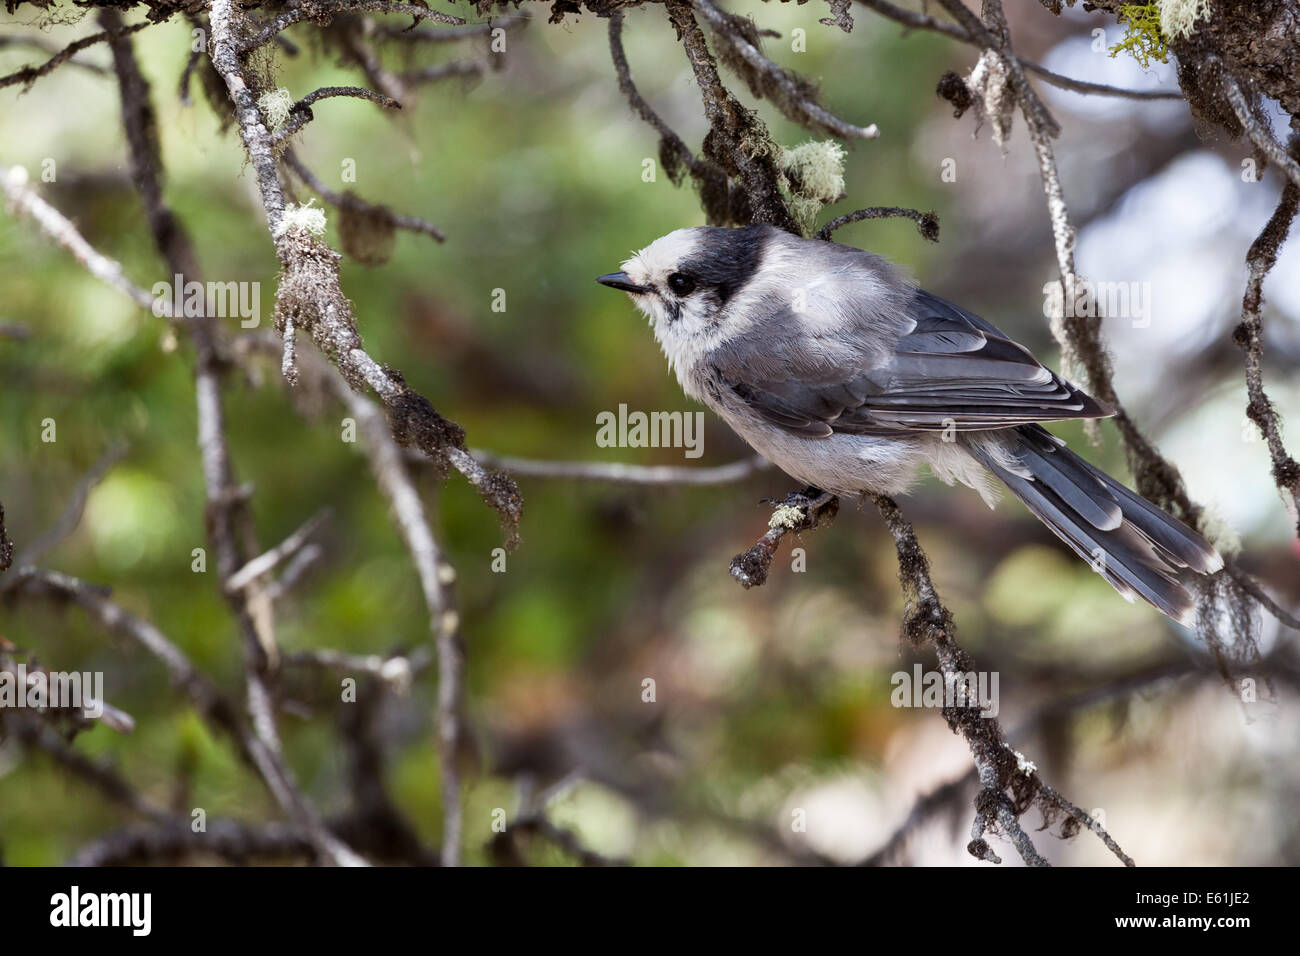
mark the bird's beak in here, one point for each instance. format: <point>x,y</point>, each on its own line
<point>619,280</point>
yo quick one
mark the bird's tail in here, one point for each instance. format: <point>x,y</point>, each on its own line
<point>1134,545</point>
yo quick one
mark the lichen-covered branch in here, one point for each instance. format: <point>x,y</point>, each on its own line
<point>322,11</point>
<point>1250,336</point>
<point>927,223</point>
<point>30,74</point>
<point>437,580</point>
<point>300,113</point>
<point>800,511</point>
<point>738,142</point>
<point>310,299</point>
<point>795,97</point>
<point>1009,785</point>
<point>229,524</point>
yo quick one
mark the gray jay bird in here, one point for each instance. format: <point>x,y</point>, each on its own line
<point>838,370</point>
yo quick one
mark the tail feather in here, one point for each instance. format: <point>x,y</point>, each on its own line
<point>1134,545</point>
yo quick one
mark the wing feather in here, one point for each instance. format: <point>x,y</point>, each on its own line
<point>952,369</point>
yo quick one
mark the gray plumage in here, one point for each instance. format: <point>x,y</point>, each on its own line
<point>838,370</point>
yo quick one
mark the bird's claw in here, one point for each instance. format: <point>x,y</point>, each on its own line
<point>809,497</point>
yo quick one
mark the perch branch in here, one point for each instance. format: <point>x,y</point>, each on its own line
<point>801,511</point>
<point>1008,784</point>
<point>1249,335</point>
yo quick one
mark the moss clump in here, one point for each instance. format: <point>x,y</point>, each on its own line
<point>814,177</point>
<point>305,218</point>
<point>1144,40</point>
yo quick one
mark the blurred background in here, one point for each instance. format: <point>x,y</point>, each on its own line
<point>768,701</point>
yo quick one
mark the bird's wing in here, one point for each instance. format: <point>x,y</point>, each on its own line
<point>952,369</point>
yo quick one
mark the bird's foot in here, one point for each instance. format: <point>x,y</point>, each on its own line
<point>799,511</point>
<point>802,510</point>
<point>809,497</point>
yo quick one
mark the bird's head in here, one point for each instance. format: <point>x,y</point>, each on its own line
<point>686,281</point>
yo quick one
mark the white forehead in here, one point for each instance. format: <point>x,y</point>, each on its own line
<point>664,255</point>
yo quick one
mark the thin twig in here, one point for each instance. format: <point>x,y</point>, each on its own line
<point>33,732</point>
<point>229,525</point>
<point>210,703</point>
<point>294,571</point>
<point>310,296</point>
<point>355,203</point>
<point>440,71</point>
<point>795,100</point>
<point>300,113</point>
<point>1249,335</point>
<point>397,671</point>
<point>732,128</point>
<point>172,841</point>
<point>436,576</point>
<point>673,150</point>
<point>927,223</point>
<point>1252,587</point>
<point>268,560</point>
<point>22,199</point>
<point>30,74</point>
<point>35,43</point>
<point>469,31</point>
<point>1036,112</point>
<point>325,8</point>
<point>73,510</point>
<point>634,97</point>
<point>1054,799</point>
<point>620,473</point>
<point>1259,133</point>
<point>505,845</point>
<point>923,21</point>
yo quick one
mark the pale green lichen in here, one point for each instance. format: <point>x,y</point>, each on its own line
<point>275,106</point>
<point>302,218</point>
<point>1178,18</point>
<point>788,517</point>
<point>1219,532</point>
<point>814,174</point>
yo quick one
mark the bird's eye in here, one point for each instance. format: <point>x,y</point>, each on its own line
<point>681,284</point>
